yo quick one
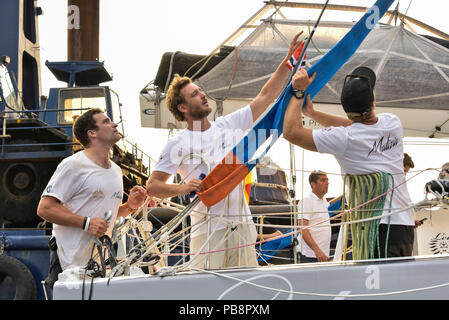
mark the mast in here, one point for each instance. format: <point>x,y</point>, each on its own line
<point>83,30</point>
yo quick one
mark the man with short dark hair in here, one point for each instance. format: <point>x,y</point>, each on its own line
<point>314,242</point>
<point>363,143</point>
<point>84,187</point>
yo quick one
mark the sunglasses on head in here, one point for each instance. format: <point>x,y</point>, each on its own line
<point>364,78</point>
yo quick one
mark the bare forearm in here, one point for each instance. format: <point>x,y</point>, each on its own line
<point>308,239</point>
<point>294,131</point>
<point>330,120</point>
<point>157,186</point>
<point>164,190</point>
<point>54,212</point>
<point>136,198</point>
<point>276,83</point>
<point>293,119</point>
<point>270,91</point>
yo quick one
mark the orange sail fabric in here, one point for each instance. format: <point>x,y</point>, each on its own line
<point>221,181</point>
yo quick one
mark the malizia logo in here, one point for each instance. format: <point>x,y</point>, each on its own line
<point>439,244</point>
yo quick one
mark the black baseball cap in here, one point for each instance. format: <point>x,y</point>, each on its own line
<point>357,95</point>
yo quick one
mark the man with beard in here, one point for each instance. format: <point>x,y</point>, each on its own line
<point>231,232</point>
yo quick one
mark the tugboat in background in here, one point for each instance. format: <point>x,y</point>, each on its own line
<point>36,134</point>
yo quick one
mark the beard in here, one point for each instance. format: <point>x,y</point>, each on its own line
<point>200,112</point>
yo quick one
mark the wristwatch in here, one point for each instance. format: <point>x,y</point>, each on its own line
<point>298,93</point>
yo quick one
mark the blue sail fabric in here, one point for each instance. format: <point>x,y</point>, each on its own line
<point>328,65</point>
<point>325,69</point>
<point>268,249</point>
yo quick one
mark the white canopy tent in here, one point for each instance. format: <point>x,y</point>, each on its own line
<point>412,79</point>
<point>412,71</point>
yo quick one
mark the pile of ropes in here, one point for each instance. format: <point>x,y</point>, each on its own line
<point>365,235</point>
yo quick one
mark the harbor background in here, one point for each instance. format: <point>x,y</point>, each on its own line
<point>134,36</point>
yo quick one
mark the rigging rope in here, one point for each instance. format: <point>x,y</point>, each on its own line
<point>168,235</point>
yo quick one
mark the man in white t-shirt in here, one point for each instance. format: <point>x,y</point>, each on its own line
<point>362,143</point>
<point>231,230</point>
<point>314,242</point>
<point>84,187</point>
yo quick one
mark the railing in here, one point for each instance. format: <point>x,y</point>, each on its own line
<point>139,155</point>
<point>28,114</point>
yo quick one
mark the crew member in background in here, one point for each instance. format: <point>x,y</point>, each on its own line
<point>314,243</point>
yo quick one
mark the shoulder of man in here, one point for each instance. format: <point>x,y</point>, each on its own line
<point>116,166</point>
<point>240,114</point>
<point>70,161</point>
<point>390,116</point>
<point>333,130</point>
<point>178,140</point>
<point>390,120</point>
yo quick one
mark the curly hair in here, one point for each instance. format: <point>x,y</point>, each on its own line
<point>174,97</point>
<point>84,123</point>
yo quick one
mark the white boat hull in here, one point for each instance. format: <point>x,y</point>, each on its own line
<point>400,278</point>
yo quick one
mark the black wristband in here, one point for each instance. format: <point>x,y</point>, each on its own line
<point>84,222</point>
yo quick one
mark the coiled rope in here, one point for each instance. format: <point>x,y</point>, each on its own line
<point>365,235</point>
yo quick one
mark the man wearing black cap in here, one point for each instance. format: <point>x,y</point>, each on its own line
<point>362,143</point>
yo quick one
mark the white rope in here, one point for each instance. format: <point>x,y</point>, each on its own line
<point>324,294</point>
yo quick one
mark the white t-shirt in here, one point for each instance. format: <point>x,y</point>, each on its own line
<point>88,190</point>
<point>315,211</point>
<point>212,144</point>
<point>364,149</point>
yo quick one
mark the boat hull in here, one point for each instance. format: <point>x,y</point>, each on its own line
<point>398,278</point>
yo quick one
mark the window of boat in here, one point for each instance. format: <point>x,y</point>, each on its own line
<point>75,101</point>
<point>7,89</point>
<point>116,110</point>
